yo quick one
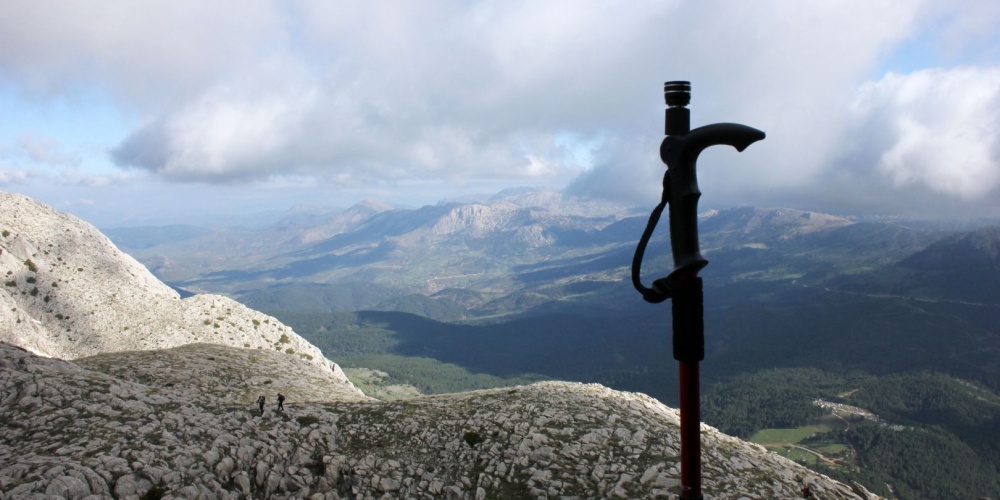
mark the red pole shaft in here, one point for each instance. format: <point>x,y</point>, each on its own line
<point>690,431</point>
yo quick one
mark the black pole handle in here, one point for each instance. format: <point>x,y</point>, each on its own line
<point>680,153</point>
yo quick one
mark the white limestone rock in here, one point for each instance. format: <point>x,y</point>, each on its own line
<point>198,439</point>
<point>70,293</point>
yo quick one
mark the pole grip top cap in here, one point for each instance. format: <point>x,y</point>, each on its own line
<point>677,93</point>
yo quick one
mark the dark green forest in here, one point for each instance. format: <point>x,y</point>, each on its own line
<point>772,398</point>
<point>922,462</point>
<point>936,436</point>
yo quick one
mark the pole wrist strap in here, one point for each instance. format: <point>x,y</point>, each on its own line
<point>660,290</point>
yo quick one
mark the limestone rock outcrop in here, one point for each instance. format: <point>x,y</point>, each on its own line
<point>68,292</point>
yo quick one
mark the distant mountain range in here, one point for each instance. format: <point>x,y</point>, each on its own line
<point>478,246</point>
<point>523,249</point>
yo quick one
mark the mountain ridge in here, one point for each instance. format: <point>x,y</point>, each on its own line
<point>484,242</point>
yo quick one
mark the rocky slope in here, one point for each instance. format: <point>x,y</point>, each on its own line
<point>173,424</point>
<point>69,292</point>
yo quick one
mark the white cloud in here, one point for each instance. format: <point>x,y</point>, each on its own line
<point>458,90</point>
<point>10,177</point>
<point>46,151</point>
<point>383,93</point>
<point>787,68</point>
<point>74,177</point>
<point>82,202</point>
<point>152,53</point>
<point>939,128</point>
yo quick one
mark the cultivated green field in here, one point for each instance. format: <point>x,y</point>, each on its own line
<point>769,437</point>
<point>808,444</point>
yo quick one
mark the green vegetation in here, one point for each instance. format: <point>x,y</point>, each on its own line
<point>439,357</point>
<point>923,463</point>
<point>968,412</point>
<point>307,420</point>
<point>547,347</point>
<point>929,398</point>
<point>338,334</point>
<point>935,436</point>
<point>783,436</point>
<point>31,265</point>
<point>154,493</point>
<point>829,443</point>
<point>811,445</point>
<point>472,438</point>
<point>377,384</point>
<point>427,307</point>
<point>428,376</point>
<point>771,399</point>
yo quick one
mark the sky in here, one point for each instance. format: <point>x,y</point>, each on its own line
<point>137,112</point>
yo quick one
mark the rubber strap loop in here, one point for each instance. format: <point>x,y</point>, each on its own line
<point>660,290</point>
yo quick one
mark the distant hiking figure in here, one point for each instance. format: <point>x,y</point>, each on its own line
<point>260,403</point>
<point>807,492</point>
<point>281,401</point>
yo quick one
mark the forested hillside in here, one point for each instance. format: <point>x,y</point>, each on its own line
<point>927,434</point>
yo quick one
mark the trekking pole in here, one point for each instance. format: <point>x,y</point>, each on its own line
<point>679,151</point>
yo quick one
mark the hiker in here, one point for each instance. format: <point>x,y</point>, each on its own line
<point>281,401</point>
<point>807,492</point>
<point>260,403</point>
